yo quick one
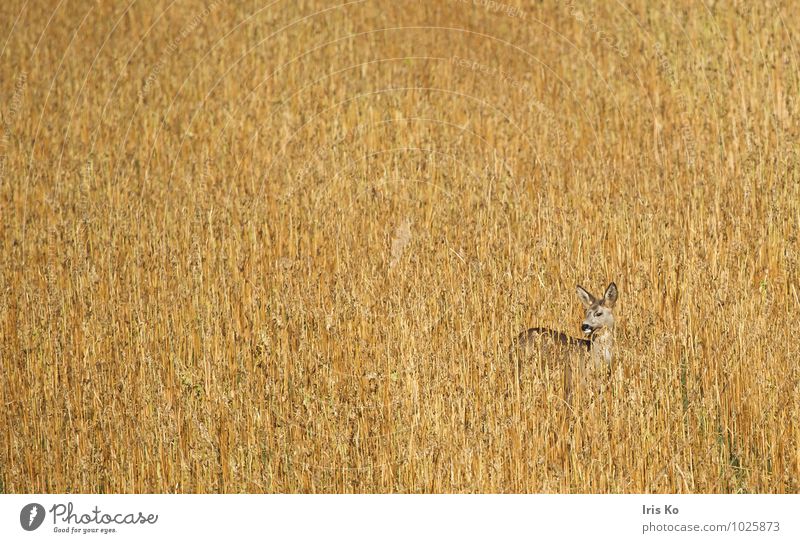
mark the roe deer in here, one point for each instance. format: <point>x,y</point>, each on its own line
<point>598,327</point>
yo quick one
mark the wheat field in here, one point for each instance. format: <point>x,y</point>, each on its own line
<point>283,246</point>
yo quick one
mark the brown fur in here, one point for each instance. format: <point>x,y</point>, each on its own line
<point>533,335</point>
<point>558,346</point>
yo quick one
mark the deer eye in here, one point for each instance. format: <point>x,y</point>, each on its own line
<point>599,313</point>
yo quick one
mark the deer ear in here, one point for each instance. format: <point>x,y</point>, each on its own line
<point>610,297</point>
<point>586,298</point>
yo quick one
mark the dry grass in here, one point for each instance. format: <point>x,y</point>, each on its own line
<point>282,247</point>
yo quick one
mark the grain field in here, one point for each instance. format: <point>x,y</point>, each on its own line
<point>283,246</point>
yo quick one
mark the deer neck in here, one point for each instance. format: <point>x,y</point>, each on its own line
<point>603,345</point>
